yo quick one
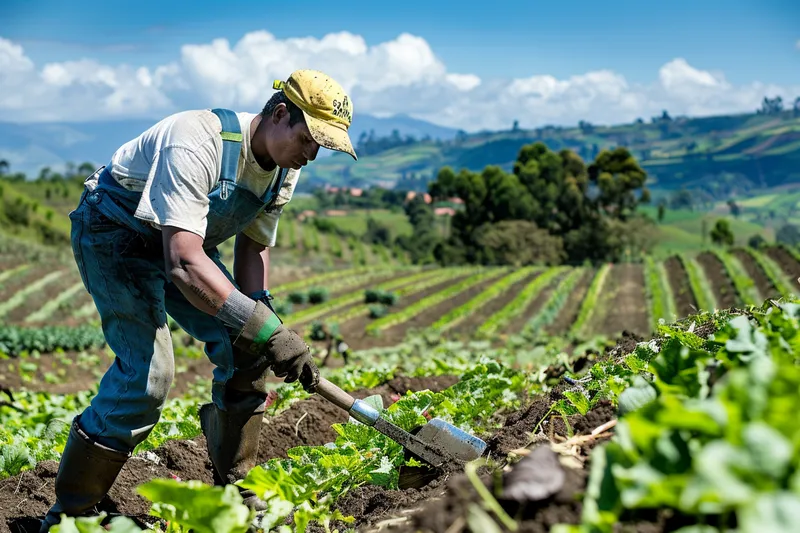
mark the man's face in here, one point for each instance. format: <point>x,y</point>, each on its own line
<point>289,146</point>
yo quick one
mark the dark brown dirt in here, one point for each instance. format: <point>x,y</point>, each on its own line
<point>11,286</point>
<point>396,334</point>
<point>785,260</point>
<point>27,497</point>
<point>468,326</point>
<point>764,286</point>
<point>570,310</point>
<point>721,284</point>
<point>623,302</point>
<point>35,301</point>
<point>353,330</point>
<point>685,303</point>
<point>81,375</point>
<point>518,323</point>
<point>442,503</point>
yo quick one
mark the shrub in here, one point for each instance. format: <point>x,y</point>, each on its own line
<point>298,297</point>
<point>378,311</point>
<point>317,295</point>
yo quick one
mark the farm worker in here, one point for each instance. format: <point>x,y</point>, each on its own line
<point>145,236</point>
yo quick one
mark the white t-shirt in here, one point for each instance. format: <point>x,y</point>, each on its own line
<point>176,164</point>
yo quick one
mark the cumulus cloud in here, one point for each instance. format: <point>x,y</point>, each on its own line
<point>402,75</point>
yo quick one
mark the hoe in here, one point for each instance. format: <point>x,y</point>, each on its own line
<point>436,443</point>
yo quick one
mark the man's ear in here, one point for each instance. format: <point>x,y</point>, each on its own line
<point>278,113</point>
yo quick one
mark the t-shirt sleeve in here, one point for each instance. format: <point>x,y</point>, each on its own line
<point>264,229</point>
<point>176,193</point>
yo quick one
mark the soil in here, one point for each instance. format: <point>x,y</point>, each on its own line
<point>367,282</point>
<point>468,326</point>
<point>27,497</point>
<point>721,284</point>
<point>397,333</point>
<point>38,299</point>
<point>444,502</point>
<point>18,282</point>
<point>353,331</point>
<point>566,317</point>
<point>685,303</point>
<point>82,374</point>
<point>626,303</point>
<point>518,324</point>
<point>785,260</point>
<point>763,284</point>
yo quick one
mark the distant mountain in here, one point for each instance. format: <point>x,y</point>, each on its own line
<point>30,147</point>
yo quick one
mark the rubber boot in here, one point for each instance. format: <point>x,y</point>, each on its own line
<point>232,440</point>
<point>85,475</point>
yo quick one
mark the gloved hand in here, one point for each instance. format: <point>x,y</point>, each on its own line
<point>293,358</point>
<point>290,358</point>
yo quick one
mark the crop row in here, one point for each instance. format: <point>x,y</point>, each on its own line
<point>772,271</point>
<point>589,303</point>
<point>352,298</point>
<point>324,278</point>
<point>703,294</point>
<point>11,272</point>
<point>437,276</point>
<point>432,300</point>
<point>19,297</point>
<point>658,292</point>
<point>499,287</point>
<point>16,341</point>
<point>742,282</point>
<point>52,305</point>
<point>519,304</point>
<point>550,310</point>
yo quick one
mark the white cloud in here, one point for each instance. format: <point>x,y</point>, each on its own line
<point>402,75</point>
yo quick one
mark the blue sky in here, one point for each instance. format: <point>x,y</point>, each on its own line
<point>745,42</point>
<point>748,40</point>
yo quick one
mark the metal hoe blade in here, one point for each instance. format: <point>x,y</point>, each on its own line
<point>412,443</point>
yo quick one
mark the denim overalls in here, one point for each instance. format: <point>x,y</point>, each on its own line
<point>121,262</point>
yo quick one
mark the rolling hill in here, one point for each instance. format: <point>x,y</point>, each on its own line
<point>732,153</point>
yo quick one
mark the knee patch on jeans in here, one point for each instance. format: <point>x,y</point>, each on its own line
<point>162,366</point>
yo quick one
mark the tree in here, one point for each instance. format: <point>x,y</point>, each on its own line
<point>796,108</point>
<point>518,243</point>
<point>771,106</point>
<point>4,166</point>
<point>756,241</point>
<point>721,233</point>
<point>734,207</point>
<point>515,127</point>
<point>618,177</point>
<point>681,199</point>
<point>662,208</point>
<point>788,234</point>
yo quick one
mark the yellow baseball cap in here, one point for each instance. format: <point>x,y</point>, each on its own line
<point>327,108</point>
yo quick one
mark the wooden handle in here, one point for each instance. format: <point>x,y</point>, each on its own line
<point>334,394</point>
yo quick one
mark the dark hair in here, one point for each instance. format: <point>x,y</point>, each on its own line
<point>295,113</point>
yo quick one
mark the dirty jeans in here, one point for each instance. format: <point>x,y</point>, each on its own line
<point>124,271</point>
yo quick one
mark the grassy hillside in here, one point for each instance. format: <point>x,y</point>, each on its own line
<point>744,151</point>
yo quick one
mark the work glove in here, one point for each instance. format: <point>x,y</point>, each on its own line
<point>289,356</point>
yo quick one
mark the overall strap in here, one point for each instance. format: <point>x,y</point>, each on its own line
<point>276,188</point>
<point>231,147</point>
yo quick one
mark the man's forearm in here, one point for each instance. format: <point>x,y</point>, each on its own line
<point>250,265</point>
<point>194,273</point>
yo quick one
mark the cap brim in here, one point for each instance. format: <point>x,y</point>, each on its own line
<point>332,136</point>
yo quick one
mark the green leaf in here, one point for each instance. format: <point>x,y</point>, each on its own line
<point>636,396</point>
<point>119,524</point>
<point>195,505</point>
<point>578,400</point>
<point>771,513</point>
